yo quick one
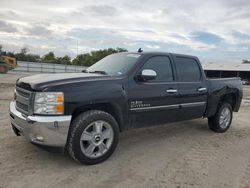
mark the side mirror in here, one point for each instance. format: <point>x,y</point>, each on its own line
<point>147,74</point>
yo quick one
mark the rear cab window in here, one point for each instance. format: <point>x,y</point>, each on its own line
<point>188,69</point>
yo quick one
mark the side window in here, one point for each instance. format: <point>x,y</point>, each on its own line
<point>188,69</point>
<point>162,66</point>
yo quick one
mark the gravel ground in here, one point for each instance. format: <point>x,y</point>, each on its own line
<point>184,154</point>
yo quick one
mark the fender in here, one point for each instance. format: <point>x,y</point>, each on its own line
<point>216,96</point>
<point>110,96</point>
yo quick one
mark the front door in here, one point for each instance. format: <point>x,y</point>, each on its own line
<point>155,101</point>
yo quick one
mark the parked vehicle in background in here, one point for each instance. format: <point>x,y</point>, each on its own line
<point>245,82</point>
<point>83,113</point>
<point>7,63</point>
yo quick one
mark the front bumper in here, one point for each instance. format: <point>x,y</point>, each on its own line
<point>42,130</point>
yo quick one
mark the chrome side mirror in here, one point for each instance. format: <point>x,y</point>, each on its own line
<point>147,74</point>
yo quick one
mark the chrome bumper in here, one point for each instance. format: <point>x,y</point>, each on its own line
<point>42,130</point>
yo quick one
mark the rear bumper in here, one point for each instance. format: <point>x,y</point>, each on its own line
<point>41,130</point>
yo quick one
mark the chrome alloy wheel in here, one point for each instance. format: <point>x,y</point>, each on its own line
<point>96,139</point>
<point>225,118</point>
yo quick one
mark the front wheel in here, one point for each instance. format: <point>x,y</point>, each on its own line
<point>93,137</point>
<point>221,121</point>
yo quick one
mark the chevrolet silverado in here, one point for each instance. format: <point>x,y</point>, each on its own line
<point>83,113</point>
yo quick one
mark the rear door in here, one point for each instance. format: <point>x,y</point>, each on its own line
<point>191,87</point>
<point>154,102</point>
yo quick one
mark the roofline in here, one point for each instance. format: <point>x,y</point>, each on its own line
<point>160,53</point>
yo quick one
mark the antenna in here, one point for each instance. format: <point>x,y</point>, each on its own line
<point>140,50</point>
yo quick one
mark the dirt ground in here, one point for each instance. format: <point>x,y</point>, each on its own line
<point>184,154</point>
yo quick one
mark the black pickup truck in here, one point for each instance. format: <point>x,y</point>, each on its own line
<point>83,113</point>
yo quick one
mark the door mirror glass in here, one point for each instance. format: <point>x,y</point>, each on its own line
<point>147,74</point>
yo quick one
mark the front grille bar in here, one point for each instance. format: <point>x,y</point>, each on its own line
<point>23,100</point>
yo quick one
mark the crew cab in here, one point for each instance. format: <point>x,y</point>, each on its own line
<point>83,113</point>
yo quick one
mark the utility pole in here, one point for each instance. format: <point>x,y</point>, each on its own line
<point>76,51</point>
<point>76,47</point>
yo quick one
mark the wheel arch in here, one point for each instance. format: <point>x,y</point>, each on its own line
<point>214,100</point>
<point>110,108</point>
<point>230,98</point>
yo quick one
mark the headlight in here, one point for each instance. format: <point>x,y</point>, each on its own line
<point>49,103</point>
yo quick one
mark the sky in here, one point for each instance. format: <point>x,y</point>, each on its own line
<point>215,30</point>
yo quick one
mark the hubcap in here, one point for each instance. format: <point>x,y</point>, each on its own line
<point>96,139</point>
<point>225,118</point>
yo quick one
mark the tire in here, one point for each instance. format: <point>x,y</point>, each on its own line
<point>93,137</point>
<point>219,123</point>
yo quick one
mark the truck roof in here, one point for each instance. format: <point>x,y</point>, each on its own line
<point>161,53</point>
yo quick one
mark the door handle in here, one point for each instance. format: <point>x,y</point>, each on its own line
<point>202,89</point>
<point>171,90</point>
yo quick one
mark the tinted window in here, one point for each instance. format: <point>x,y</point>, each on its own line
<point>162,66</point>
<point>187,70</point>
<point>116,64</point>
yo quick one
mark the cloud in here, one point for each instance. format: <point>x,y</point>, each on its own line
<point>152,46</point>
<point>7,27</point>
<point>241,36</point>
<point>100,10</point>
<point>205,37</point>
<point>38,30</point>
<point>211,29</point>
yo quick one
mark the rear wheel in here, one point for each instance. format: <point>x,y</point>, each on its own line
<point>221,121</point>
<point>93,137</point>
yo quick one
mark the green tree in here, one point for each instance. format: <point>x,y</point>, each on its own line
<point>245,61</point>
<point>63,60</point>
<point>22,55</point>
<point>89,59</point>
<point>32,57</point>
<point>49,58</point>
<point>24,50</point>
<point>121,49</point>
<point>2,52</point>
<point>10,54</point>
<point>1,48</point>
<point>82,59</point>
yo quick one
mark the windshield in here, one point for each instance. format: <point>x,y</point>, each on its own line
<point>116,64</point>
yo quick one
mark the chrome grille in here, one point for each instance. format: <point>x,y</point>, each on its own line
<point>22,106</point>
<point>23,98</point>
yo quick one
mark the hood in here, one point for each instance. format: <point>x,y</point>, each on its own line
<point>40,81</point>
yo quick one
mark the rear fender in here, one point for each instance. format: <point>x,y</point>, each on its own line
<point>218,96</point>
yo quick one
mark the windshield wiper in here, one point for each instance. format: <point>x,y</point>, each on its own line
<point>97,71</point>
